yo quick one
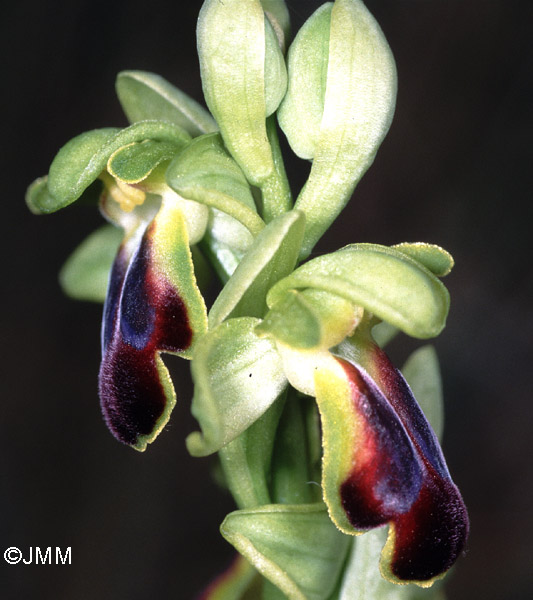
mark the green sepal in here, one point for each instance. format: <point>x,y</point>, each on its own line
<point>246,461</point>
<point>272,256</point>
<point>134,162</point>
<point>278,15</point>
<point>358,107</point>
<point>310,319</point>
<point>423,376</point>
<point>363,581</point>
<point>145,95</point>
<point>296,547</point>
<point>234,42</point>
<point>203,171</point>
<point>382,280</point>
<point>81,160</point>
<point>237,376</point>
<point>301,110</point>
<point>37,195</point>
<point>433,257</point>
<point>85,274</point>
<point>383,333</point>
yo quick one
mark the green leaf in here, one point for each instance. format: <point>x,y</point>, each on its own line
<point>363,581</point>
<point>234,41</point>
<point>423,375</point>
<point>246,461</point>
<point>296,547</point>
<point>85,274</point>
<point>146,95</point>
<point>81,160</point>
<point>301,110</point>
<point>310,319</point>
<point>272,256</point>
<point>358,107</point>
<point>134,162</point>
<point>237,377</point>
<point>436,259</point>
<point>385,282</point>
<point>204,172</point>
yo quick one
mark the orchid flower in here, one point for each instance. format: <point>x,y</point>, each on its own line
<point>320,438</point>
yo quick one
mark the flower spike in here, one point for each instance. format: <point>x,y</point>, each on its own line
<point>153,306</point>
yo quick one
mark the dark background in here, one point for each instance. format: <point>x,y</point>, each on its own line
<point>455,170</point>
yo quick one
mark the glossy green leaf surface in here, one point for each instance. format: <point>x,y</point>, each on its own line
<point>85,274</point>
<point>145,95</point>
<point>300,113</point>
<point>82,159</point>
<point>436,259</point>
<point>237,376</point>
<point>204,172</point>
<point>134,162</point>
<point>358,107</point>
<point>272,256</point>
<point>296,547</point>
<point>382,280</point>
<point>423,376</point>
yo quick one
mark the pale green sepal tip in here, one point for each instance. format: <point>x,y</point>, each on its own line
<point>278,15</point>
<point>85,274</point>
<point>296,547</point>
<point>82,159</point>
<point>433,257</point>
<point>271,257</point>
<point>422,373</point>
<point>358,107</point>
<point>237,377</point>
<point>275,71</point>
<point>38,196</point>
<point>145,95</point>
<point>301,110</point>
<point>383,281</point>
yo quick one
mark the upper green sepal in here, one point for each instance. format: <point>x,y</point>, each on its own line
<point>203,171</point>
<point>237,376</point>
<point>358,105</point>
<point>85,274</point>
<point>80,161</point>
<point>272,256</point>
<point>145,95</point>
<point>296,547</point>
<point>382,280</point>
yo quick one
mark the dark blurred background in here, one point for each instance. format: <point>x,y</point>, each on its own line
<point>455,170</point>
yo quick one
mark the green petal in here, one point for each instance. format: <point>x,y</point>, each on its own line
<point>436,259</point>
<point>272,256</point>
<point>423,376</point>
<point>134,162</point>
<point>85,274</point>
<point>387,283</point>
<point>204,172</point>
<point>278,15</point>
<point>146,95</point>
<point>310,319</point>
<point>82,159</point>
<point>358,107</point>
<point>296,547</point>
<point>237,377</point>
<point>300,113</point>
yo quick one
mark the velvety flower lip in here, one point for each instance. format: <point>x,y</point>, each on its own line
<point>399,476</point>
